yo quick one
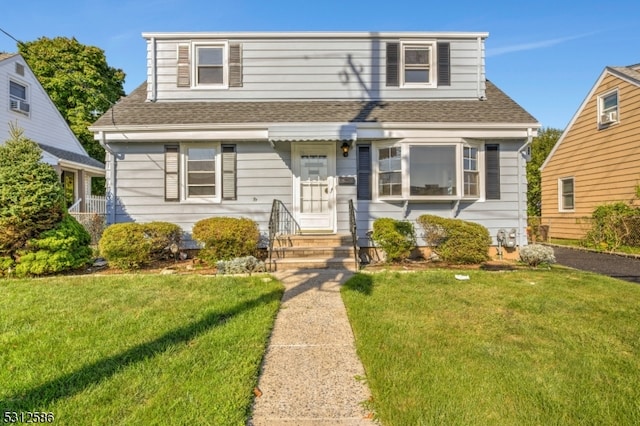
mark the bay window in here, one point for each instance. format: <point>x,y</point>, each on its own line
<point>429,171</point>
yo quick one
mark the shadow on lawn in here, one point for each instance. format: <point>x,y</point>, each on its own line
<point>73,383</point>
<point>362,283</point>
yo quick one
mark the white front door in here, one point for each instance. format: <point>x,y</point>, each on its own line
<point>314,195</point>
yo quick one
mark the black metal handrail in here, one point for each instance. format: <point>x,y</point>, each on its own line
<point>281,223</point>
<point>354,234</point>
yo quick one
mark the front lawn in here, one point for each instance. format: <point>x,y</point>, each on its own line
<point>134,349</point>
<point>510,348</point>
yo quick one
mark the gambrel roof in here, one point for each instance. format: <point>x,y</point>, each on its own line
<point>135,110</point>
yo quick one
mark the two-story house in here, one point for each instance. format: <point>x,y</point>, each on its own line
<point>402,123</point>
<point>596,159</point>
<point>25,105</point>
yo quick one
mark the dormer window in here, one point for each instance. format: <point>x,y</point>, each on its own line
<point>416,64</point>
<point>608,108</point>
<point>210,66</point>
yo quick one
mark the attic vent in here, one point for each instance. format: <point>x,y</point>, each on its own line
<point>184,70</point>
<point>19,69</point>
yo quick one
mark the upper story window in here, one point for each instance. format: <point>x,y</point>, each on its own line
<point>608,108</point>
<point>210,65</point>
<point>18,100</point>
<point>416,64</point>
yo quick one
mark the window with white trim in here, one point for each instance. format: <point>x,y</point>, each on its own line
<point>389,171</point>
<point>200,171</point>
<point>432,170</point>
<point>429,171</point>
<point>566,194</point>
<point>471,173</point>
<point>211,63</point>
<point>18,97</point>
<point>608,108</point>
<point>417,64</point>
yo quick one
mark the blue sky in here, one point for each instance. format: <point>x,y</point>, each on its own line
<point>546,55</point>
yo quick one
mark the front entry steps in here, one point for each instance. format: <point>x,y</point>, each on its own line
<point>333,251</point>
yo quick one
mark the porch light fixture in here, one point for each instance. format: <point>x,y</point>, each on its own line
<point>345,149</point>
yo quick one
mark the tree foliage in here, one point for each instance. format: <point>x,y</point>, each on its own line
<point>540,149</point>
<point>31,196</point>
<point>78,80</point>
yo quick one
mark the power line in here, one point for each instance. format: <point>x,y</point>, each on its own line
<point>11,37</point>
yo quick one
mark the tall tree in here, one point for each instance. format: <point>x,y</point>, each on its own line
<point>78,80</point>
<point>540,149</point>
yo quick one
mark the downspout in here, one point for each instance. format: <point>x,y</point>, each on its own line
<point>111,180</point>
<point>520,209</point>
<point>153,70</point>
<point>479,94</point>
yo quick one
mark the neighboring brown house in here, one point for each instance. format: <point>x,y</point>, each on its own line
<point>597,158</point>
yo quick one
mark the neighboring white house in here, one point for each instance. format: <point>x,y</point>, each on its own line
<point>25,104</point>
<point>402,123</point>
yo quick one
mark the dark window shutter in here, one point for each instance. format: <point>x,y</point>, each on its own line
<point>364,172</point>
<point>235,65</point>
<point>492,166</point>
<point>229,172</point>
<point>444,64</point>
<point>184,68</point>
<point>171,173</point>
<point>393,64</point>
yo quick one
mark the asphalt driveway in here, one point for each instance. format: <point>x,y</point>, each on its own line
<point>621,267</point>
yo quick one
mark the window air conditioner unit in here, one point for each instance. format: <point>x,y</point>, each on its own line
<point>18,105</point>
<point>609,117</point>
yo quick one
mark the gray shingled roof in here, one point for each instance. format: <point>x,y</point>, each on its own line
<point>628,72</point>
<point>135,110</point>
<point>63,154</point>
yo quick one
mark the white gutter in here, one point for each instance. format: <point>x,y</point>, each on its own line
<point>312,35</point>
<point>520,210</point>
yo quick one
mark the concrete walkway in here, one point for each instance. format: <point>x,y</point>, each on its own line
<point>309,372</point>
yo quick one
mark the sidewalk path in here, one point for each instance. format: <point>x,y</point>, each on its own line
<point>309,372</point>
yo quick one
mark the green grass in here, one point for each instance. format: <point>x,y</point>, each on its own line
<point>134,349</point>
<point>509,348</point>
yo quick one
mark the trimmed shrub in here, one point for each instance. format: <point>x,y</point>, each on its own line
<point>125,245</point>
<point>226,238</point>
<point>241,265</point>
<point>537,254</point>
<point>131,245</point>
<point>455,240</point>
<point>395,237</point>
<point>63,248</point>
<point>164,238</point>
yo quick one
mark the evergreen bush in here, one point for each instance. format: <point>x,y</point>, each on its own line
<point>31,196</point>
<point>225,238</point>
<point>455,240</point>
<point>63,248</point>
<point>395,237</point>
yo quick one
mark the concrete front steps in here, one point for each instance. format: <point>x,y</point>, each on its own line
<point>333,251</point>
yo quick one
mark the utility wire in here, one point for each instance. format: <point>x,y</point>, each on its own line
<point>12,37</point>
